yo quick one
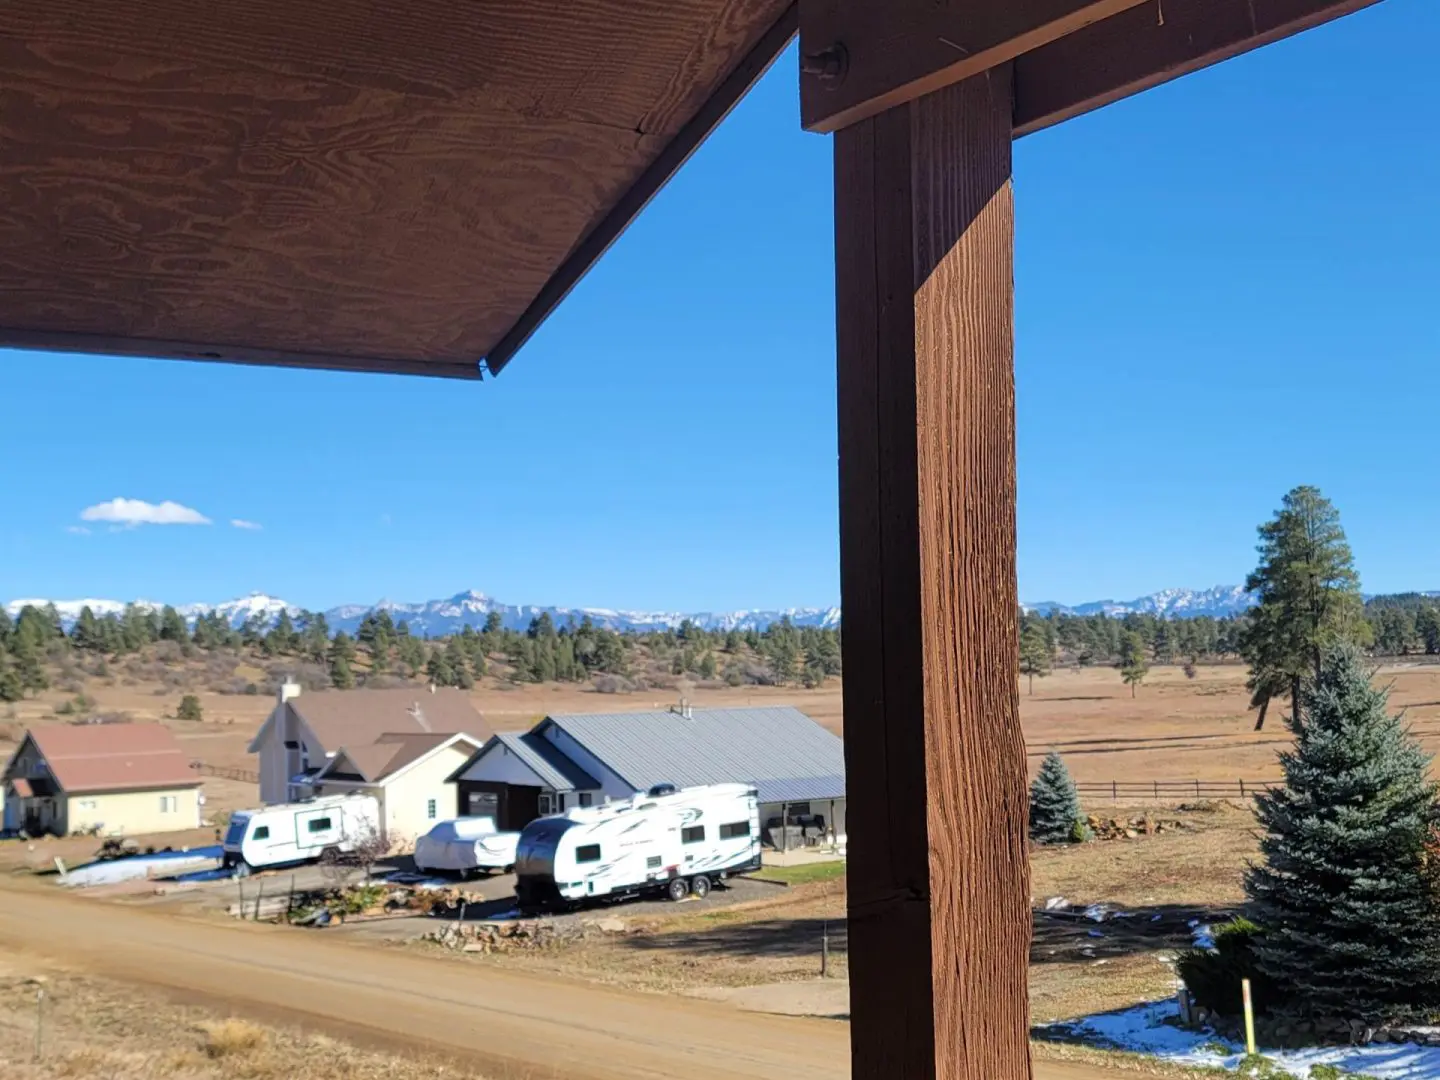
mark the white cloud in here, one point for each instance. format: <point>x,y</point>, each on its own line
<point>241,523</point>
<point>78,530</point>
<point>131,512</point>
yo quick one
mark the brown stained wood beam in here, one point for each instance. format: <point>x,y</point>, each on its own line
<point>106,345</point>
<point>1149,45</point>
<point>861,57</point>
<point>588,252</point>
<point>938,882</point>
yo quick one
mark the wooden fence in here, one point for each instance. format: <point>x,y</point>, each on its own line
<point>245,776</point>
<point>1161,790</point>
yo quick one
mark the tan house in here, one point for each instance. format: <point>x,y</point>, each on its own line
<point>114,779</point>
<point>402,746</point>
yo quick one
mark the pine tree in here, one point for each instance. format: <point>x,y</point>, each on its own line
<point>1133,666</point>
<point>1034,652</point>
<point>1055,816</point>
<point>11,687</point>
<point>1350,923</point>
<point>1309,598</point>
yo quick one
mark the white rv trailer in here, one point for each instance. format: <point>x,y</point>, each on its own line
<point>664,841</point>
<point>299,832</point>
<point>465,846</point>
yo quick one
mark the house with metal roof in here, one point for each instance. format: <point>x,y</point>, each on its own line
<point>580,759</point>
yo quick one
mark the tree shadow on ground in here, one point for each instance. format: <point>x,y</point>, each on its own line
<point>1058,937</point>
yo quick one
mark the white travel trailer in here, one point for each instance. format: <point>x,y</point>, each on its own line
<point>465,846</point>
<point>676,843</point>
<point>299,832</point>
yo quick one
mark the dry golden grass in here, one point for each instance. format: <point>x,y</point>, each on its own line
<point>97,1030</point>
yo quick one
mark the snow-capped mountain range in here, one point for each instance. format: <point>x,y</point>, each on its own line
<point>1217,602</point>
<point>437,618</point>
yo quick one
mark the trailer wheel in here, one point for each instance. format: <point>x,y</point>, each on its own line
<point>700,886</point>
<point>678,888</point>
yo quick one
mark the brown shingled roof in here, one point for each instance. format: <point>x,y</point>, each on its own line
<point>355,718</point>
<point>392,752</point>
<point>113,757</point>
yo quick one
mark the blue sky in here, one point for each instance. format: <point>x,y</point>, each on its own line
<point>1225,287</point>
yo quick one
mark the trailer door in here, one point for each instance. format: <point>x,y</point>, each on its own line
<point>316,829</point>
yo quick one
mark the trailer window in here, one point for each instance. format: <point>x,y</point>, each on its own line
<point>734,829</point>
<point>587,853</point>
<point>652,863</point>
<point>695,834</point>
<point>319,824</point>
<point>262,832</point>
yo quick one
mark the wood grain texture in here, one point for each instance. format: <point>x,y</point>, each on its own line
<point>938,878</point>
<point>1150,45</point>
<point>376,181</point>
<point>899,50</point>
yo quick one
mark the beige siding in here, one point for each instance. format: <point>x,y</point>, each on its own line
<point>407,795</point>
<point>134,813</point>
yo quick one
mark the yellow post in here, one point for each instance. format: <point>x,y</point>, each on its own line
<point>1249,1017</point>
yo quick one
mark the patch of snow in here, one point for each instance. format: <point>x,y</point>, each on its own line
<point>162,864</point>
<point>1152,1029</point>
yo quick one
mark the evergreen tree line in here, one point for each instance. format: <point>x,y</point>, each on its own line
<point>382,647</point>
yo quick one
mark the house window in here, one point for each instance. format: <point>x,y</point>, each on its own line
<point>695,834</point>
<point>544,803</point>
<point>560,803</point>
<point>319,824</point>
<point>734,829</point>
<point>586,798</point>
<point>262,832</point>
<point>430,809</point>
<point>87,804</point>
<point>169,804</point>
<point>587,853</point>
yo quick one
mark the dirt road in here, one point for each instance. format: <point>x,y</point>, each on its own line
<point>512,1024</point>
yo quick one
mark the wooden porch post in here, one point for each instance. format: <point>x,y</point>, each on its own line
<point>939,921</point>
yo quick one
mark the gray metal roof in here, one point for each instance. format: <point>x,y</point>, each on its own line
<point>780,750</point>
<point>545,760</point>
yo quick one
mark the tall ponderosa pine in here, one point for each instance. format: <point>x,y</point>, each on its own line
<point>1309,598</point>
<point>1133,665</point>
<point>1034,652</point>
<point>1054,803</point>
<point>1351,925</point>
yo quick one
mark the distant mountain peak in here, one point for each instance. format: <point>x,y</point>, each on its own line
<point>437,618</point>
<point>1218,601</point>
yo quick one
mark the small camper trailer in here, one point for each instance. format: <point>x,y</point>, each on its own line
<point>675,843</point>
<point>299,832</point>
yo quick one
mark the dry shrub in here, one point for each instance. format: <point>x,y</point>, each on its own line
<point>229,1038</point>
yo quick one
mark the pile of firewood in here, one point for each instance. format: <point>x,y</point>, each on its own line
<point>1130,828</point>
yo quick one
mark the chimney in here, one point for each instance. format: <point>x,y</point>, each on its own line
<point>419,716</point>
<point>288,689</point>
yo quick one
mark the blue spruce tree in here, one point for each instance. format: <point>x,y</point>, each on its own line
<point>1055,804</point>
<point>1349,920</point>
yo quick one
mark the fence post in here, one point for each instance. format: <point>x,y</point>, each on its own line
<point>825,948</point>
<point>240,887</point>
<point>259,895</point>
<point>39,1023</point>
<point>1157,790</point>
<point>1242,790</point>
<point>1197,789</point>
<point>1115,792</point>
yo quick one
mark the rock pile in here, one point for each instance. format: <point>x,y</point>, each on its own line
<point>1131,828</point>
<point>488,937</point>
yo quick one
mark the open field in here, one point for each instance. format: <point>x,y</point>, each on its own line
<point>1174,729</point>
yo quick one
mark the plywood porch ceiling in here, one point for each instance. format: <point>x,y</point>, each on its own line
<point>381,185</point>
